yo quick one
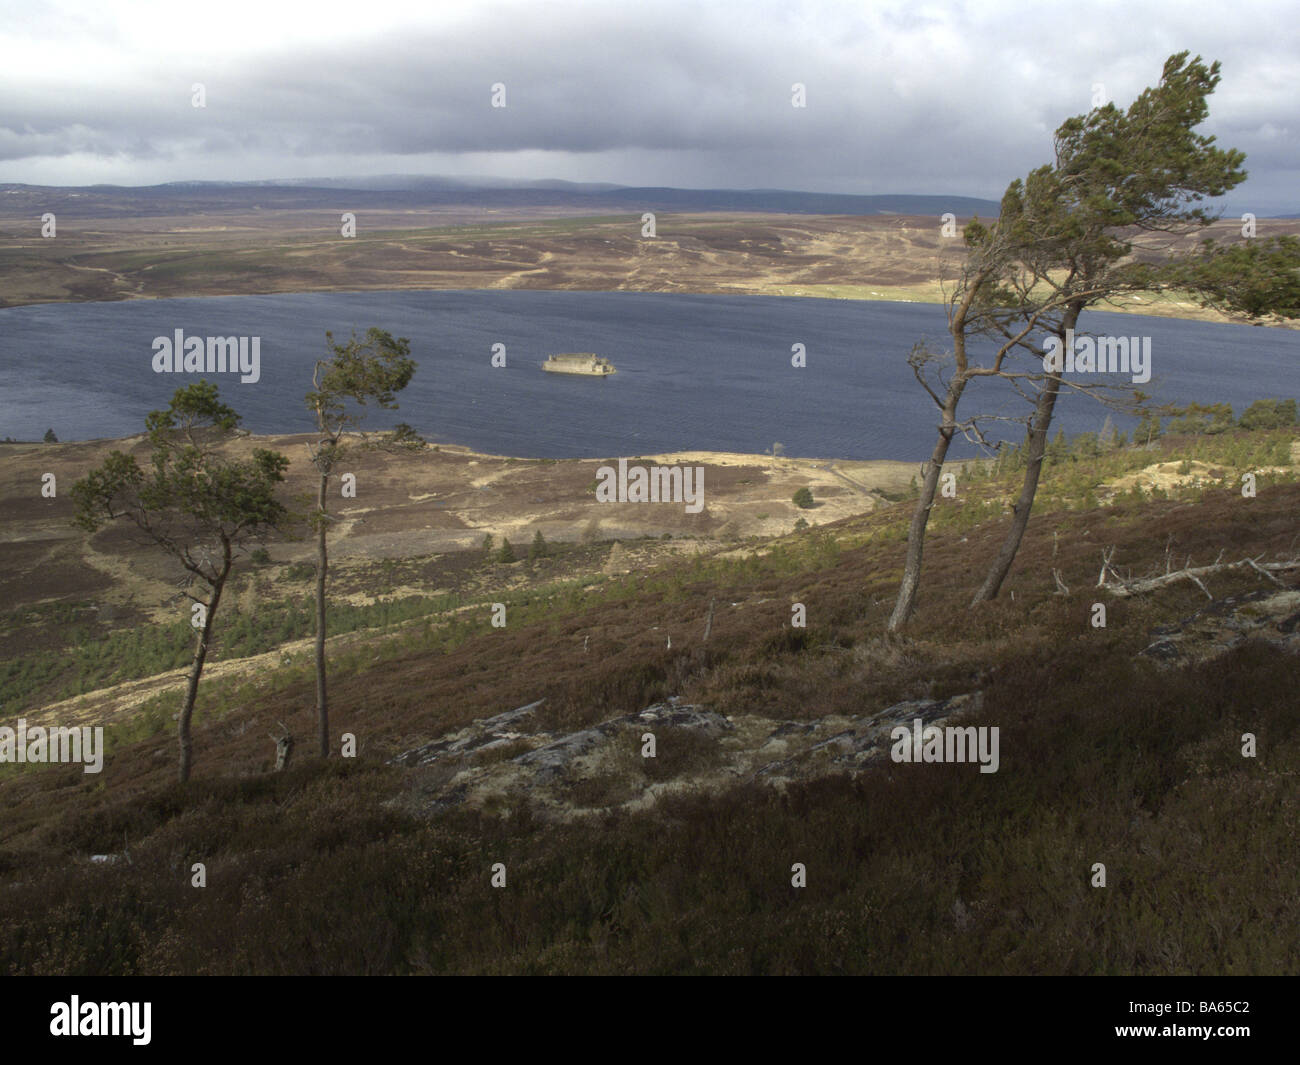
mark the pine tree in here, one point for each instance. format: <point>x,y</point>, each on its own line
<point>1148,428</point>
<point>365,370</point>
<point>1058,448</point>
<point>1106,437</point>
<point>199,507</point>
<point>1269,414</point>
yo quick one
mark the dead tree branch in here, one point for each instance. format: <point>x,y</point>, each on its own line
<point>1123,588</point>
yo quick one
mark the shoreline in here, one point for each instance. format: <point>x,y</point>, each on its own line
<point>1157,308</point>
<point>688,456</point>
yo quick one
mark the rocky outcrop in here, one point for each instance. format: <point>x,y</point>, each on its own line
<point>1270,615</point>
<point>501,761</point>
<point>864,741</point>
<point>482,735</point>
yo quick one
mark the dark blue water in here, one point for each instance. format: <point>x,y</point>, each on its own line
<point>697,372</point>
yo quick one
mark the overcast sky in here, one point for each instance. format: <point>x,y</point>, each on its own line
<point>946,98</point>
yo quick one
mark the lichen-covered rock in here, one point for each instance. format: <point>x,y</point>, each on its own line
<point>675,714</point>
<point>554,759</point>
<point>481,735</point>
<point>851,744</point>
<point>1271,615</point>
<point>605,766</point>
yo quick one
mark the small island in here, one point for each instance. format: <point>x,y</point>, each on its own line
<point>583,362</point>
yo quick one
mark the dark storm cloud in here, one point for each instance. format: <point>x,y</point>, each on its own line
<point>946,97</point>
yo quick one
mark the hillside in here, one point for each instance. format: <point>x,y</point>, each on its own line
<point>523,746</point>
<point>209,239</point>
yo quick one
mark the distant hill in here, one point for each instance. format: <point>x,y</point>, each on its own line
<point>405,191</point>
<point>396,191</point>
<point>786,202</point>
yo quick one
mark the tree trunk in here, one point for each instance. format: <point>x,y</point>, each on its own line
<point>283,751</point>
<point>1042,420</point>
<point>196,670</point>
<point>322,563</point>
<point>906,601</point>
<point>1039,425</point>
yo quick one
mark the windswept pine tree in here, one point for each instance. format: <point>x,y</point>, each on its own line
<point>198,505</point>
<point>357,373</point>
<point>1063,243</point>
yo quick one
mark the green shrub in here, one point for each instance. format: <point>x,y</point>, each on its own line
<point>803,498</point>
<point>1148,428</point>
<point>1269,414</point>
<point>1198,420</point>
<point>1085,446</point>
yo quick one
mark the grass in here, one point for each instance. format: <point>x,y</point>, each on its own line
<point>1074,478</point>
<point>86,662</point>
<point>256,255</point>
<point>934,872</point>
<point>1105,758</point>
